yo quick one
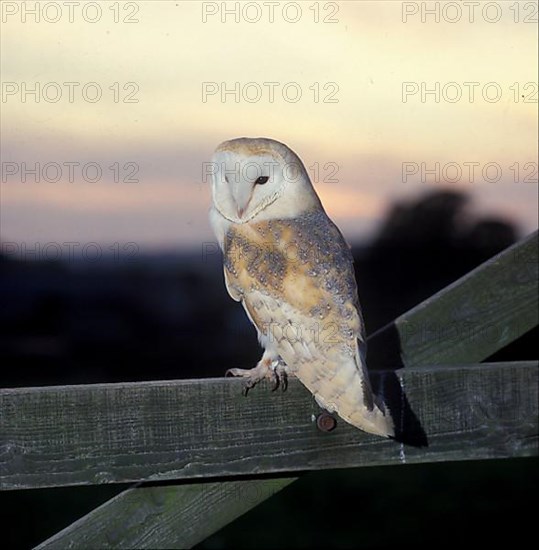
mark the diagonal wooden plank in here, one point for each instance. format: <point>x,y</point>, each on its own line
<point>469,411</point>
<point>469,320</point>
<point>168,516</point>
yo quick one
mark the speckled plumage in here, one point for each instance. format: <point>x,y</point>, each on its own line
<point>294,276</point>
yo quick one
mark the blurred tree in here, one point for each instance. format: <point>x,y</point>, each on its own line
<point>424,245</point>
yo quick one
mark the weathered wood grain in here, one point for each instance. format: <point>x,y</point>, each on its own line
<point>170,516</point>
<point>155,431</point>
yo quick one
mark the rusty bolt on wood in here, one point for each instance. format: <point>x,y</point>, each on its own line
<point>326,422</point>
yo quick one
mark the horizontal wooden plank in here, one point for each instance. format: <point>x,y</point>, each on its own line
<point>106,433</point>
<point>469,320</point>
<point>170,516</point>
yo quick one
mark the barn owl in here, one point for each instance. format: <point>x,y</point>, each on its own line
<point>291,269</point>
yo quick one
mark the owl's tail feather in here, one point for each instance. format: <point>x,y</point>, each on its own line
<point>376,422</point>
<point>356,404</point>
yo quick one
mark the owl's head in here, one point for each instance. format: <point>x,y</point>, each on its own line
<point>260,178</point>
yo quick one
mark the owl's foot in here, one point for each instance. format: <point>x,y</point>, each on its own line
<point>272,369</point>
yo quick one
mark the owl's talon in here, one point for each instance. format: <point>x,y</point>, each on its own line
<point>284,381</point>
<point>282,376</point>
<point>249,383</point>
<point>274,382</point>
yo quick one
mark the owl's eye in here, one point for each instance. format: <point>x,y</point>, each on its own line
<point>262,180</point>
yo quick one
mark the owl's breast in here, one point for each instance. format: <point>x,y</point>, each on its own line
<point>303,263</point>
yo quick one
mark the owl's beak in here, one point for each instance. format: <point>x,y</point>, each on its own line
<point>242,197</point>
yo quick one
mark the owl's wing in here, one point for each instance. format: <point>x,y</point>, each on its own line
<point>232,289</point>
<point>305,306</point>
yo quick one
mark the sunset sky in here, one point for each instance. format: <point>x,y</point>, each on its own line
<point>165,61</point>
